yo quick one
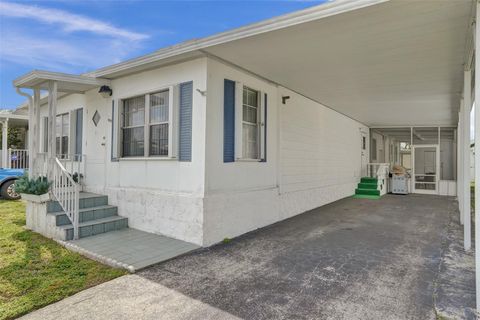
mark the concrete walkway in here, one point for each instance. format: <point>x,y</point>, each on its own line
<point>352,259</point>
<point>129,248</point>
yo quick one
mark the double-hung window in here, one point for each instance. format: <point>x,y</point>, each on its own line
<point>250,123</point>
<point>62,131</point>
<point>133,130</point>
<point>159,123</point>
<point>244,123</point>
<point>146,125</point>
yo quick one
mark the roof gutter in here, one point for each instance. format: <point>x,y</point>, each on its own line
<point>26,95</point>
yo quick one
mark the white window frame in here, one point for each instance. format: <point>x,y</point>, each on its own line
<point>62,152</point>
<point>239,87</point>
<point>171,123</point>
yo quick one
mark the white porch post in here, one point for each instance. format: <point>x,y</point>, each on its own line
<point>35,129</point>
<point>5,144</point>
<point>52,112</point>
<point>467,214</point>
<point>460,153</point>
<point>31,133</point>
<point>477,161</point>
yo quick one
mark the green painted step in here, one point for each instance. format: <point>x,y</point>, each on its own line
<point>367,186</point>
<point>367,192</point>
<point>369,180</point>
<point>366,196</point>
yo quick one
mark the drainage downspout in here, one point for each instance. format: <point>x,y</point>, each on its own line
<point>30,131</point>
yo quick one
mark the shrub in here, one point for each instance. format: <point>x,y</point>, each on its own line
<point>36,186</point>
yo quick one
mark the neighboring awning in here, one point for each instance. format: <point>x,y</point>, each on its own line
<point>66,83</point>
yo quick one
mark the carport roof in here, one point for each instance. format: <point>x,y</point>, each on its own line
<point>381,62</point>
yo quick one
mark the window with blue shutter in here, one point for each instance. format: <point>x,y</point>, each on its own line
<point>229,121</point>
<point>185,122</point>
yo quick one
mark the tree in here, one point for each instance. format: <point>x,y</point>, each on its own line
<point>13,140</point>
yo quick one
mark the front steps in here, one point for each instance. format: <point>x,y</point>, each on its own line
<point>367,189</point>
<point>96,217</point>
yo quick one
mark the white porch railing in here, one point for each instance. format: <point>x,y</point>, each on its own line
<point>73,163</point>
<point>379,171</point>
<point>16,159</point>
<point>67,192</point>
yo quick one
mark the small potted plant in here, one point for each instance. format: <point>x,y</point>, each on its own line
<point>78,178</point>
<point>34,190</point>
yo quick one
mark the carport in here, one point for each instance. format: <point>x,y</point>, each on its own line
<point>388,64</point>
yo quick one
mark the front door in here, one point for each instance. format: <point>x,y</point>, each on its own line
<point>425,169</point>
<point>364,154</point>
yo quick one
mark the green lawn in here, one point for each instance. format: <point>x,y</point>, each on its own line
<point>36,271</point>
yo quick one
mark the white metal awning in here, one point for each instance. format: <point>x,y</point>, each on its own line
<point>382,62</point>
<point>67,83</point>
<point>399,62</point>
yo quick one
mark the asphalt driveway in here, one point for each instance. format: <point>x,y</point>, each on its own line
<point>352,259</point>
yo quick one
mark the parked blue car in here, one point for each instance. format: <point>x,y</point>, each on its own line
<point>7,183</point>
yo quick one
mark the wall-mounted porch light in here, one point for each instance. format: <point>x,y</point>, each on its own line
<point>105,91</point>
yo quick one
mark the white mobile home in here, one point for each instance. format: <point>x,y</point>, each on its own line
<point>216,137</point>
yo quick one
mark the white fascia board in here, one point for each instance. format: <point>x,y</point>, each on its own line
<point>310,14</point>
<point>37,77</point>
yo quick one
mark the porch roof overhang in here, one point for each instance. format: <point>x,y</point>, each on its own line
<point>67,83</point>
<point>14,120</point>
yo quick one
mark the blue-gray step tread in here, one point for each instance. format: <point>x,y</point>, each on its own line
<point>94,227</point>
<point>86,214</point>
<point>87,200</point>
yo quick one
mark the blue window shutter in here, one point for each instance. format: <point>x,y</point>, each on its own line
<point>185,123</point>
<point>113,157</point>
<point>229,121</point>
<point>78,130</point>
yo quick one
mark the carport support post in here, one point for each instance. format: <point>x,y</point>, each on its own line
<point>460,162</point>
<point>5,163</point>
<point>477,161</point>
<point>467,213</point>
